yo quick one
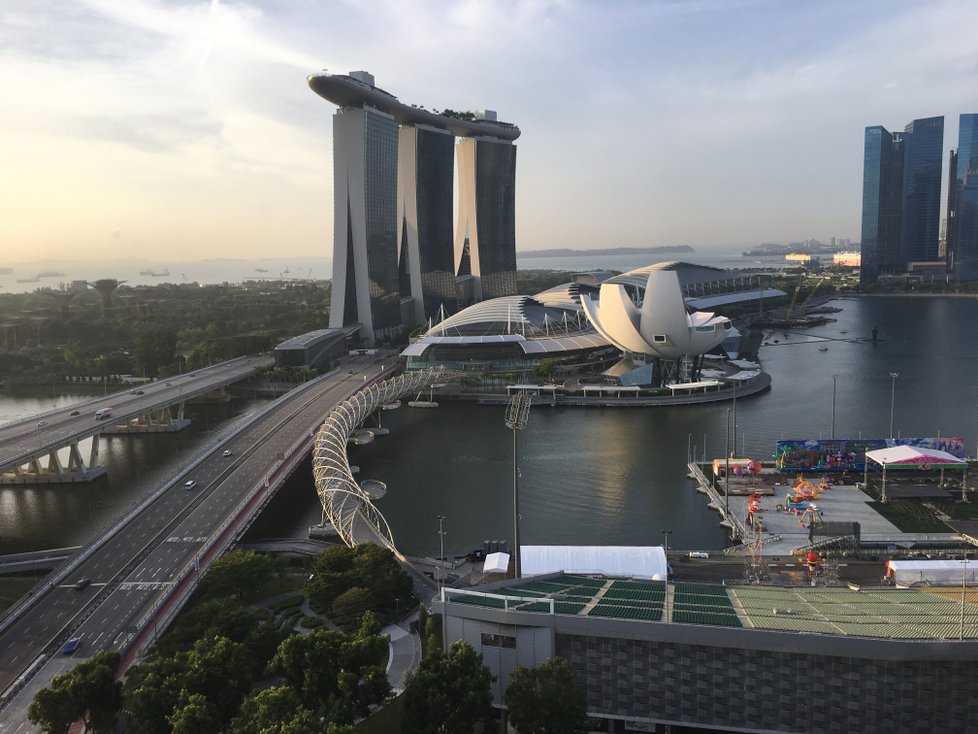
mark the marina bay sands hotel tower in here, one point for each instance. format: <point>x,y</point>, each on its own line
<point>395,262</point>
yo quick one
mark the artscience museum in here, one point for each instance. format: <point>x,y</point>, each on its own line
<point>647,328</point>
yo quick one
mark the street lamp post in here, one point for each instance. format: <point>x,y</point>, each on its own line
<point>726,473</point>
<point>665,543</point>
<point>517,414</point>
<point>441,550</point>
<point>893,378</point>
<point>734,445</point>
<point>834,378</point>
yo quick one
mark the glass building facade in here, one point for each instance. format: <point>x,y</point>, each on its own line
<point>965,242</point>
<point>882,200</point>
<point>923,154</point>
<point>495,192</point>
<point>434,169</point>
<point>901,197</point>
<point>365,223</point>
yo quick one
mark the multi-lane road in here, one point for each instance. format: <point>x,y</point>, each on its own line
<point>25,439</point>
<point>129,571</point>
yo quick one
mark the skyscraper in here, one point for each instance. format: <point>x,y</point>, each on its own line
<point>425,185</point>
<point>882,186</point>
<point>485,241</point>
<point>365,273</point>
<point>393,188</point>
<point>923,153</point>
<point>901,197</point>
<point>964,249</point>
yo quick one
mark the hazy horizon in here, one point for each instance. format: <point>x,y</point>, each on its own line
<point>187,130</point>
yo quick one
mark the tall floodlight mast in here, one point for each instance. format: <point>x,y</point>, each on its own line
<point>517,414</point>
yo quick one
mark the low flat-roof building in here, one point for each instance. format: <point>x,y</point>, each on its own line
<point>739,658</point>
<point>314,348</point>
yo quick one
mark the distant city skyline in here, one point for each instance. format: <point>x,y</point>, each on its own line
<point>145,129</point>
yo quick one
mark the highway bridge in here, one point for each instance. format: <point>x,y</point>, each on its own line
<point>127,585</point>
<point>152,406</point>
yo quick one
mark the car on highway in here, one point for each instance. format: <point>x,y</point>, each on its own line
<point>74,412</point>
<point>71,646</point>
<point>190,484</point>
<point>227,452</point>
<point>41,423</point>
<point>82,583</point>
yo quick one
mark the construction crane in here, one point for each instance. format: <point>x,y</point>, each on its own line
<point>804,304</point>
<point>794,297</point>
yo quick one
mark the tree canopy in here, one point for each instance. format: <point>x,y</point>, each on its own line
<point>448,694</point>
<point>546,699</point>
<point>368,568</point>
<point>338,676</point>
<point>88,692</point>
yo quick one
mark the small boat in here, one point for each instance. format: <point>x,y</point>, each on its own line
<point>843,332</point>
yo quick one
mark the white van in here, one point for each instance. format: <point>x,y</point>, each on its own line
<point>190,485</point>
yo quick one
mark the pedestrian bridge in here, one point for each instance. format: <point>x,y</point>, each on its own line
<point>346,506</point>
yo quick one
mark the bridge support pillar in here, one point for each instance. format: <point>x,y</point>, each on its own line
<point>159,421</point>
<point>35,472</point>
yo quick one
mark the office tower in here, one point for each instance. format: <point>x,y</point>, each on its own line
<point>950,224</point>
<point>882,187</point>
<point>965,223</point>
<point>901,197</point>
<point>365,275</point>
<point>485,241</point>
<point>425,185</point>
<point>394,260</point>
<point>923,152</point>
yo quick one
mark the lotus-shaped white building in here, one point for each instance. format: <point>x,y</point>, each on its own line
<point>658,330</point>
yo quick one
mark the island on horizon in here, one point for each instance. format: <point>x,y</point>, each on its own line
<point>567,252</point>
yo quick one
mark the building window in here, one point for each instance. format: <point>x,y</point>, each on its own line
<point>490,640</point>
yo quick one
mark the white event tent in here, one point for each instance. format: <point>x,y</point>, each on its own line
<point>496,563</point>
<point>913,457</point>
<point>646,562</point>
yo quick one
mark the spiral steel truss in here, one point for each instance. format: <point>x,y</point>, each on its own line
<point>345,505</point>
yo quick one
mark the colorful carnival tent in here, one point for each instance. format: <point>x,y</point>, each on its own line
<point>646,562</point>
<point>913,457</point>
<point>737,467</point>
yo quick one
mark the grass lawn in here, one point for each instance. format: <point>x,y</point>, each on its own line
<point>962,510</point>
<point>386,721</point>
<point>910,516</point>
<point>12,589</point>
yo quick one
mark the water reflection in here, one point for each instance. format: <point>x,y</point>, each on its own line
<point>602,476</point>
<point>52,516</point>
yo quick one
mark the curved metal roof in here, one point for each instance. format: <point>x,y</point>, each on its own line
<point>688,273</point>
<point>346,91</point>
<point>512,314</point>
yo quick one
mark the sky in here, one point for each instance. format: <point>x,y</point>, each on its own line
<point>186,130</point>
